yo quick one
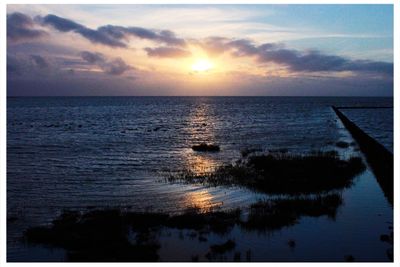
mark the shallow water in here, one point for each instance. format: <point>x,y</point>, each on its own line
<point>113,151</point>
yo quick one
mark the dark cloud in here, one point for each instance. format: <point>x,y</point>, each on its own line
<point>167,52</point>
<point>114,67</point>
<point>66,25</point>
<point>304,62</point>
<point>29,65</point>
<point>164,36</point>
<point>98,37</point>
<point>61,24</point>
<point>21,27</point>
<point>23,66</point>
<point>116,32</point>
<point>169,38</point>
<point>110,35</point>
<point>315,61</point>
<point>139,32</point>
<point>39,61</point>
<point>243,47</point>
<point>298,61</point>
<point>92,58</point>
<point>370,66</point>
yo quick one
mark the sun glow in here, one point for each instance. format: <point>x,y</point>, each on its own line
<point>202,65</point>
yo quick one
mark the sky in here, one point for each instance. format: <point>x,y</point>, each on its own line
<point>240,50</point>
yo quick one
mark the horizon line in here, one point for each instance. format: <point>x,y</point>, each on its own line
<point>197,96</point>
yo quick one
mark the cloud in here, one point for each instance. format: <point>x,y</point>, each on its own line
<point>61,24</point>
<point>370,66</point>
<point>30,65</point>
<point>163,36</point>
<point>110,35</point>
<point>114,67</point>
<point>315,61</point>
<point>40,61</point>
<point>243,47</point>
<point>214,45</point>
<point>169,38</point>
<point>20,27</point>
<point>39,66</point>
<point>66,25</point>
<point>92,58</point>
<point>294,60</point>
<point>163,52</point>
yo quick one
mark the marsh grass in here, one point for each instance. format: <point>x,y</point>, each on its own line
<point>100,235</point>
<point>116,235</point>
<point>276,214</point>
<point>281,173</point>
<point>103,235</point>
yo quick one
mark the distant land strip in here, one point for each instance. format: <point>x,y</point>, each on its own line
<point>361,107</point>
<point>379,158</point>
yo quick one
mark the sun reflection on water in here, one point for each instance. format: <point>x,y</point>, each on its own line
<point>200,200</point>
<point>201,130</point>
<point>201,123</point>
<point>200,164</point>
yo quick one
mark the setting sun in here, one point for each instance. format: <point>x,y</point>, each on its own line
<point>202,65</point>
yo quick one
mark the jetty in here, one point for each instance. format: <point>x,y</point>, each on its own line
<point>378,157</point>
<point>363,107</point>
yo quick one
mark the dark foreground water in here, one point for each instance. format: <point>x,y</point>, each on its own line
<point>85,152</point>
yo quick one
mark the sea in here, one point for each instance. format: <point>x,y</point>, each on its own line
<point>81,153</point>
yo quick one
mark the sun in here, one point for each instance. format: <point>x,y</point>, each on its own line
<point>202,65</point>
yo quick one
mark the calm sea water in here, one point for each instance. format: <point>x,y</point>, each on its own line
<point>82,152</point>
